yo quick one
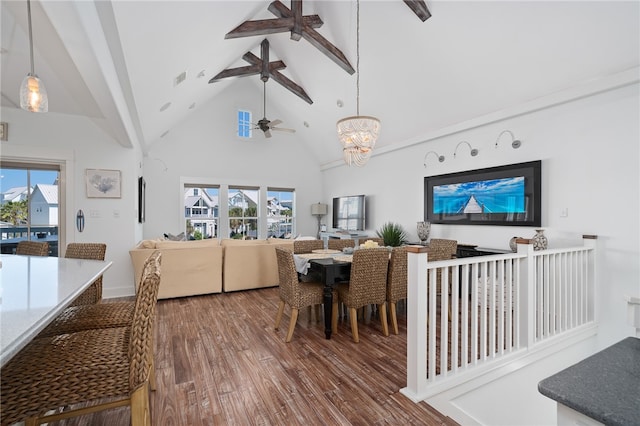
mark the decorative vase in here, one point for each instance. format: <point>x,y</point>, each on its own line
<point>513,245</point>
<point>424,228</point>
<point>540,241</point>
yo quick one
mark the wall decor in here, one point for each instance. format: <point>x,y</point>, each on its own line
<point>4,131</point>
<point>502,195</point>
<point>103,183</point>
<point>142,187</point>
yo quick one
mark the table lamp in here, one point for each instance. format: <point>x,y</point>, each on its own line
<point>319,210</point>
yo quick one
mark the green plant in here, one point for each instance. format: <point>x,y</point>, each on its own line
<point>393,234</point>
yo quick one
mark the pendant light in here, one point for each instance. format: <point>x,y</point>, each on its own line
<point>33,95</point>
<point>358,134</point>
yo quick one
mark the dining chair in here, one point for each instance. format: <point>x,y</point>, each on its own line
<point>91,251</point>
<point>294,293</point>
<point>367,286</point>
<point>106,367</point>
<point>33,248</point>
<point>396,282</point>
<point>307,246</point>
<point>339,243</point>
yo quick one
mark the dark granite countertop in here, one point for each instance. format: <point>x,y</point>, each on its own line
<point>605,386</point>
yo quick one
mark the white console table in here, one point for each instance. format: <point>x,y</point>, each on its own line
<point>356,236</point>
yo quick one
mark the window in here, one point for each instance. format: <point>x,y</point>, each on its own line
<point>280,213</point>
<point>244,124</point>
<point>30,208</point>
<point>243,212</point>
<point>201,211</point>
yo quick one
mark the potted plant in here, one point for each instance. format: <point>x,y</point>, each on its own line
<point>393,234</point>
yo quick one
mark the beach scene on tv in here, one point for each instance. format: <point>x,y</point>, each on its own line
<point>505,195</point>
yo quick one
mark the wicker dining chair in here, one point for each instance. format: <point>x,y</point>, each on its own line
<point>292,292</point>
<point>367,285</point>
<point>307,246</point>
<point>92,251</point>
<point>33,248</point>
<point>339,244</point>
<point>107,367</point>
<point>396,282</point>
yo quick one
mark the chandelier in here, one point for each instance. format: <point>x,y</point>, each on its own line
<point>33,95</point>
<point>358,134</point>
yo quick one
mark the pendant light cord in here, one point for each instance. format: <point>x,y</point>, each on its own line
<point>357,58</point>
<point>30,35</point>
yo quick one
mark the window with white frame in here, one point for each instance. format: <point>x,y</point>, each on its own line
<point>243,212</point>
<point>280,212</point>
<point>201,211</point>
<point>244,124</point>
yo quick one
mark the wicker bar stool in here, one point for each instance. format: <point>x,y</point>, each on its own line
<point>367,285</point>
<point>294,293</point>
<point>92,251</point>
<point>396,282</point>
<point>87,366</point>
<point>339,244</point>
<point>307,246</point>
<point>33,248</point>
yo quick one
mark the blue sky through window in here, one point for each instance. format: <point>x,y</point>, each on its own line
<point>244,124</point>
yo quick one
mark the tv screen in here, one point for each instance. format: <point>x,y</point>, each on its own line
<point>504,195</point>
<point>349,213</point>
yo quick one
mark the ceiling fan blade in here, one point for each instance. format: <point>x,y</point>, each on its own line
<point>275,123</point>
<point>282,129</point>
<point>267,133</point>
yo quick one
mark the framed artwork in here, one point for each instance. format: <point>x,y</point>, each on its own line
<point>142,186</point>
<point>103,183</point>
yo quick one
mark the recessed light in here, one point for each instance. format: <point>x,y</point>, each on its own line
<point>165,106</point>
<point>192,106</point>
<point>180,78</point>
<point>340,103</point>
<point>306,124</point>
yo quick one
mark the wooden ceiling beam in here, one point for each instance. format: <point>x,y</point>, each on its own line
<point>271,26</point>
<point>253,69</point>
<point>291,86</point>
<point>313,37</point>
<point>296,31</point>
<point>419,7</point>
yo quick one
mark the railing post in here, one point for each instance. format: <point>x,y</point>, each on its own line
<point>416,322</point>
<point>526,307</point>
<point>590,241</point>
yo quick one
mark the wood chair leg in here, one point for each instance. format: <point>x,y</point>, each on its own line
<point>382,308</point>
<point>353,315</point>
<point>292,324</point>
<point>394,317</point>
<point>140,414</point>
<point>279,314</point>
<point>309,314</point>
<point>334,317</point>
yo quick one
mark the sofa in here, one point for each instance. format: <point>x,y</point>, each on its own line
<point>211,266</point>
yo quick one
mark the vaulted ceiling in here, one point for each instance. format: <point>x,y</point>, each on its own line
<point>117,61</point>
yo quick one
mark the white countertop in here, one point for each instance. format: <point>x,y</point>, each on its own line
<point>34,290</point>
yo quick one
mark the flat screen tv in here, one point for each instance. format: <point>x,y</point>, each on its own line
<point>349,213</point>
<point>503,195</point>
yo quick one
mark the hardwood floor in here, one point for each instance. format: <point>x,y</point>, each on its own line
<point>220,362</point>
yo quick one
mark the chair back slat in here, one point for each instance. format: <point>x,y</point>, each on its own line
<point>307,246</point>
<point>339,244</point>
<point>397,275</point>
<point>368,280</point>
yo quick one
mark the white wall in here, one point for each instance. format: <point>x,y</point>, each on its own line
<point>205,148</point>
<point>81,144</point>
<point>589,149</point>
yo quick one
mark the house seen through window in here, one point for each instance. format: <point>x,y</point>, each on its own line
<point>280,213</point>
<point>201,211</point>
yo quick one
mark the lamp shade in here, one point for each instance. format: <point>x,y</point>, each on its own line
<point>319,209</point>
<point>358,135</point>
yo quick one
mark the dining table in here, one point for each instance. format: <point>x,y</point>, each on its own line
<point>34,290</point>
<point>332,266</point>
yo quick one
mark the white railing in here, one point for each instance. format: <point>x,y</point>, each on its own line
<point>511,303</point>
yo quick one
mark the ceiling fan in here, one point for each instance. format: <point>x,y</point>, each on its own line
<point>267,125</point>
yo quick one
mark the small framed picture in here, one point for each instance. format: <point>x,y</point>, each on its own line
<point>4,131</point>
<point>142,187</point>
<point>103,183</point>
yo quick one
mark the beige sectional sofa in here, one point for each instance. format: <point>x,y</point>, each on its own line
<point>211,266</point>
